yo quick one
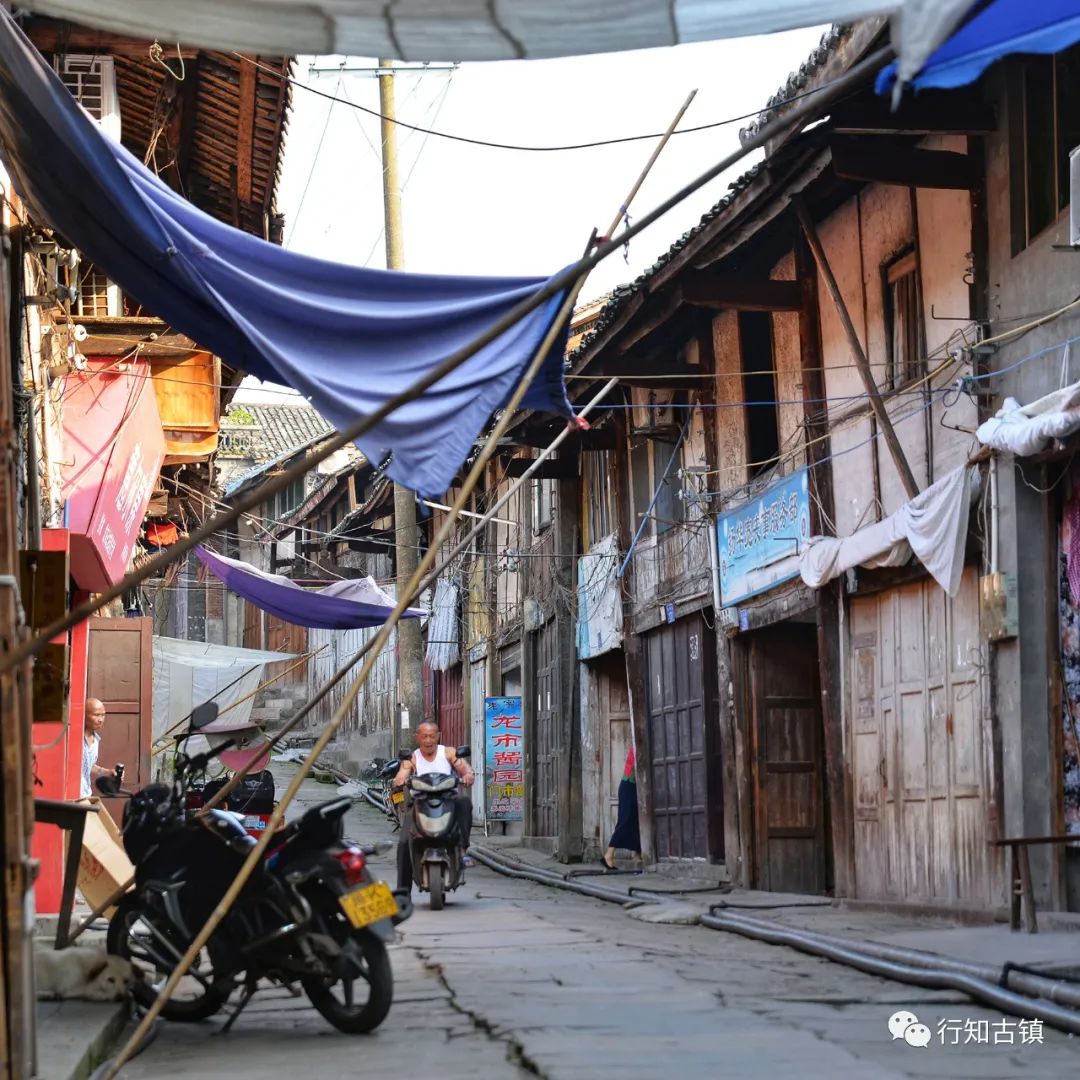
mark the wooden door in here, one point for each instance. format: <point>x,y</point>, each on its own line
<point>450,690</point>
<point>616,735</point>
<point>547,741</point>
<point>119,674</point>
<point>788,760</point>
<point>683,752</point>
<point>921,747</point>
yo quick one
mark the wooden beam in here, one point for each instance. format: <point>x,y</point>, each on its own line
<point>245,131</point>
<point>601,438</point>
<point>653,316</point>
<point>720,291</point>
<point>879,160</point>
<point>185,120</point>
<point>52,36</point>
<point>927,114</point>
<point>878,406</point>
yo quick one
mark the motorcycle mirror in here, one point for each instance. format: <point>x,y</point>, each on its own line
<point>404,755</point>
<point>464,751</point>
<point>202,715</point>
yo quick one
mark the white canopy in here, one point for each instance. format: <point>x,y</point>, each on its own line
<point>187,673</point>
<point>491,29</point>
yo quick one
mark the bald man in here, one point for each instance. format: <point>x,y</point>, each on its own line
<point>95,721</point>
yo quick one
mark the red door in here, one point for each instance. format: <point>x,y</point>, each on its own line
<point>450,690</point>
<point>119,675</point>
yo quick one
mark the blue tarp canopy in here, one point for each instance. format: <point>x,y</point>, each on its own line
<point>347,338</point>
<point>1004,28</point>
<point>343,605</point>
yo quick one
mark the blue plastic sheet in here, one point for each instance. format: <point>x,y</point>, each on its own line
<point>347,338</point>
<point>1004,28</point>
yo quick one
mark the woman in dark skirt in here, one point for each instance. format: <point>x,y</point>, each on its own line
<point>626,835</point>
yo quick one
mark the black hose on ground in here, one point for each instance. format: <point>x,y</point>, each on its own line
<point>1028,981</point>
<point>986,993</point>
<point>1039,996</point>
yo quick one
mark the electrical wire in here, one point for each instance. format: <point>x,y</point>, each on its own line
<point>533,149</point>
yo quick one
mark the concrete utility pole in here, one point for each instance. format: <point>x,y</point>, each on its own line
<point>406,534</point>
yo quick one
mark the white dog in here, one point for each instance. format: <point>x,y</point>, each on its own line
<point>80,971</point>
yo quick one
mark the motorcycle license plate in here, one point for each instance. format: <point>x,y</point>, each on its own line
<point>397,797</point>
<point>369,904</point>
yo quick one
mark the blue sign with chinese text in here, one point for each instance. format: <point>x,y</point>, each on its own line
<point>756,543</point>
<point>504,759</point>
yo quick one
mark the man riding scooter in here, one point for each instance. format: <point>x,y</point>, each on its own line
<point>430,760</point>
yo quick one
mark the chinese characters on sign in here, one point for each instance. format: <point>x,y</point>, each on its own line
<point>756,542</point>
<point>504,759</point>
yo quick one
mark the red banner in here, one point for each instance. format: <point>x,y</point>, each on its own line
<point>113,450</point>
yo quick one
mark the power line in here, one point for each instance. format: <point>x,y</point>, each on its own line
<point>533,149</point>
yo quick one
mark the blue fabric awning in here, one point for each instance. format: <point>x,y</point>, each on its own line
<point>1002,29</point>
<point>342,605</point>
<point>347,338</point>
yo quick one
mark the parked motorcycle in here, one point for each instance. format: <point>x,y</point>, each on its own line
<point>311,913</point>
<point>425,807</point>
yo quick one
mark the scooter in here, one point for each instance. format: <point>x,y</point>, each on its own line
<point>425,808</point>
<point>311,914</point>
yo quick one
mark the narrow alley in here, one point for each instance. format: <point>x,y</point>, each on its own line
<point>515,979</point>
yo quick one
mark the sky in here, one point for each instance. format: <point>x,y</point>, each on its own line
<point>477,210</point>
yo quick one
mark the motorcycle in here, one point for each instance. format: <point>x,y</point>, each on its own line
<point>425,810</point>
<point>311,913</point>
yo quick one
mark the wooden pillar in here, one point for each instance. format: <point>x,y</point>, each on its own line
<point>861,362</point>
<point>632,650</point>
<point>568,526</point>
<point>16,974</point>
<point>829,598</point>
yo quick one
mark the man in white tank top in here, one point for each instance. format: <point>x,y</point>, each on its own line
<point>431,756</point>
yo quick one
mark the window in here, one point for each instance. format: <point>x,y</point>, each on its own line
<point>1044,125</point>
<point>649,461</point>
<point>903,321</point>
<point>600,494</point>
<point>543,493</point>
<point>759,390</point>
<point>98,296</point>
<point>92,82</point>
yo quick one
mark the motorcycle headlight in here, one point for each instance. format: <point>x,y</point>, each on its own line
<point>434,826</point>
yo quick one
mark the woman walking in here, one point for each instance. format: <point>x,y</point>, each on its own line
<point>626,835</point>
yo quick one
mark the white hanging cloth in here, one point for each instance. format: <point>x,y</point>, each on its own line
<point>933,526</point>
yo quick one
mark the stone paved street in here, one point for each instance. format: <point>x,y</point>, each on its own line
<point>516,979</point>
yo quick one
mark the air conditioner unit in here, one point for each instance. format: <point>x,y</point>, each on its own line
<point>652,410</point>
<point>1074,197</point>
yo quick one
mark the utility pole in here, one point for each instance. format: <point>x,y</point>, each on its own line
<point>406,534</point>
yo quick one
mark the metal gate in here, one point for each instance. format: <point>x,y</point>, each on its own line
<point>547,743</point>
<point>450,691</point>
<point>684,740</point>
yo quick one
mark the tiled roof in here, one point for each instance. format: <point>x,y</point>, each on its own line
<point>795,82</point>
<point>281,428</point>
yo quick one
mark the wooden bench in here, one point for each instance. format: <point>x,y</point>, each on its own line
<point>70,816</point>
<point>1020,876</point>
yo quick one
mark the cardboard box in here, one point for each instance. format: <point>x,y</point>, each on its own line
<point>103,864</point>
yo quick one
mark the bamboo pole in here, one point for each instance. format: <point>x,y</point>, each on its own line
<point>458,548</point>
<point>625,207</point>
<point>802,113</point>
<point>255,855</point>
